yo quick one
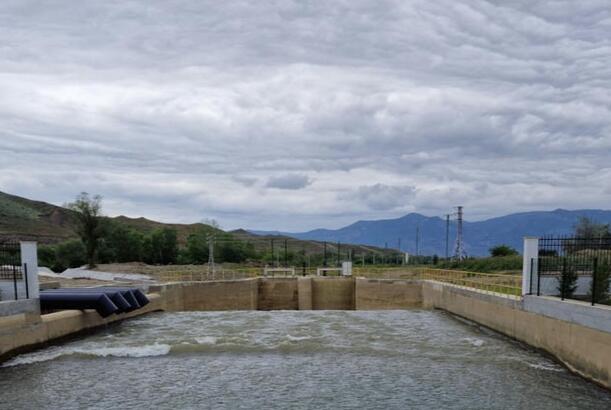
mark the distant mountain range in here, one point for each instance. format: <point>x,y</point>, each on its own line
<point>479,236</point>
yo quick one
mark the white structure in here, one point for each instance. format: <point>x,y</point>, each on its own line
<point>530,259</point>
<point>347,268</point>
<point>267,271</point>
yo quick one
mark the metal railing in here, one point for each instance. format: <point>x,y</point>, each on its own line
<point>504,284</point>
<point>12,274</point>
<point>574,268</point>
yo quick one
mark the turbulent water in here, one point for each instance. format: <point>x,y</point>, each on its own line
<point>315,360</point>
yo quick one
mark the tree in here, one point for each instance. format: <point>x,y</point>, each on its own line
<point>89,228</point>
<point>567,281</point>
<point>599,287</point>
<point>502,250</point>
<point>587,228</point>
<point>161,247</point>
<point>70,254</point>
<point>197,247</point>
<point>126,244</point>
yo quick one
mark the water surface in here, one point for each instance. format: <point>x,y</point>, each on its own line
<point>317,360</point>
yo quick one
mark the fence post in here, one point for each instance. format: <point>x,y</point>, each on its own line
<point>529,263</point>
<point>563,279</point>
<point>530,282</point>
<point>594,269</point>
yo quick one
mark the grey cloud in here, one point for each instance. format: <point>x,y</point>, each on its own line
<point>381,197</point>
<point>289,181</point>
<point>471,101</point>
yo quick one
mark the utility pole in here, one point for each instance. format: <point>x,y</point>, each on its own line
<point>447,236</point>
<point>459,251</point>
<point>324,253</point>
<point>272,252</point>
<point>286,253</point>
<point>338,253</point>
<point>399,254</point>
<point>211,267</point>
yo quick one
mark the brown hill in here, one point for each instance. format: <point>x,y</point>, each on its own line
<point>25,219</point>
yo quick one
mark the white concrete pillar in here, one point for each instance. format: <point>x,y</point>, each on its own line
<point>530,260</point>
<point>29,258</point>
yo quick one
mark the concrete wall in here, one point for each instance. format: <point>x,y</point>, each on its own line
<point>585,350</point>
<point>22,332</point>
<point>278,294</point>
<point>332,293</point>
<point>377,294</point>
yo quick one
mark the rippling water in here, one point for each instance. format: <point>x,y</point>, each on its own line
<point>373,360</point>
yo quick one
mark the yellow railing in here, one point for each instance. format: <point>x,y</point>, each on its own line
<point>490,282</point>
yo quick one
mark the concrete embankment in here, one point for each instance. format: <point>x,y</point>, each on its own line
<point>583,348</point>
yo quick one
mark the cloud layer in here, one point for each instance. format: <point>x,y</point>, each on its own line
<point>295,115</point>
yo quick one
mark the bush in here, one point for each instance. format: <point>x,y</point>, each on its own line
<point>599,287</point>
<point>71,254</point>
<point>567,281</point>
<point>502,250</point>
<point>499,263</point>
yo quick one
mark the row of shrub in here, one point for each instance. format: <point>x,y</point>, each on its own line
<point>120,244</point>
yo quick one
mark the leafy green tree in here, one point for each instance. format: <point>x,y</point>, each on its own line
<point>161,247</point>
<point>599,287</point>
<point>567,281</point>
<point>502,250</point>
<point>197,247</point>
<point>126,244</point>
<point>70,254</point>
<point>89,227</point>
<point>46,256</point>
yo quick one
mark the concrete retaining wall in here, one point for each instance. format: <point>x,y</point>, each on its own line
<point>584,350</point>
<point>329,293</point>
<point>278,294</point>
<point>377,294</point>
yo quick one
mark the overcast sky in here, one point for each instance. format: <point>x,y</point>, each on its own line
<point>294,115</point>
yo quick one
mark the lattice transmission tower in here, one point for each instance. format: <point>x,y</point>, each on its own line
<point>459,248</point>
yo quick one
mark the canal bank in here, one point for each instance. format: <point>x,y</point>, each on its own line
<point>572,340</point>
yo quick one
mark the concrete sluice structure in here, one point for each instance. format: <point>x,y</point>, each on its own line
<point>583,349</point>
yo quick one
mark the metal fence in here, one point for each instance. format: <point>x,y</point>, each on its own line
<point>574,268</point>
<point>496,283</point>
<point>12,274</point>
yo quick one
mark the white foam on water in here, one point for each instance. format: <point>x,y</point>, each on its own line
<point>298,338</point>
<point>116,351</point>
<point>206,340</point>
<point>551,367</point>
<point>474,341</point>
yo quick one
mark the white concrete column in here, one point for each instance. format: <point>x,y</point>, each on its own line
<point>29,257</point>
<point>531,253</point>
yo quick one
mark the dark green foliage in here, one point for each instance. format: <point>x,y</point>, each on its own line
<point>502,250</point>
<point>161,247</point>
<point>88,215</point>
<point>492,264</point>
<point>227,249</point>
<point>126,244</point>
<point>567,281</point>
<point>46,256</point>
<point>601,279</point>
<point>197,248</point>
<point>70,254</point>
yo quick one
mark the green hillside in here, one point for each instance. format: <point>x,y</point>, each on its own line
<point>25,219</point>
